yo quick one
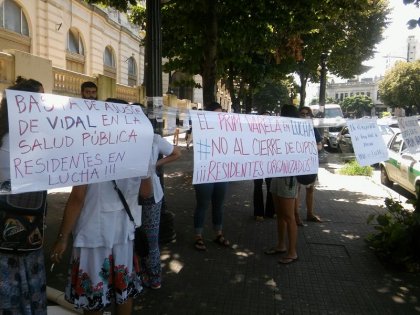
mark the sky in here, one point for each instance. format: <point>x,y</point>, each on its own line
<point>395,38</point>
<point>394,43</point>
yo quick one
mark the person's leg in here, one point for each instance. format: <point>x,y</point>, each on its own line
<point>217,200</point>
<point>151,265</point>
<point>287,206</point>
<point>269,206</point>
<point>281,226</point>
<point>125,308</point>
<point>296,209</point>
<point>203,194</point>
<point>310,215</point>
<point>258,199</point>
<point>176,136</point>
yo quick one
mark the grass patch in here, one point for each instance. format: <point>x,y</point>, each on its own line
<point>353,168</point>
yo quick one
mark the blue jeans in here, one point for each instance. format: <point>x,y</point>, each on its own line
<point>205,194</point>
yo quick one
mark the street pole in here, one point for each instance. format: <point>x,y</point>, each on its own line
<point>154,65</point>
<point>154,96</point>
<point>323,83</point>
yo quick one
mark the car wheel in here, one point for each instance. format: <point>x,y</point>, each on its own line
<point>384,178</point>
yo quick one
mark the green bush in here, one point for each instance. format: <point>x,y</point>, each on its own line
<point>353,168</point>
<point>397,237</point>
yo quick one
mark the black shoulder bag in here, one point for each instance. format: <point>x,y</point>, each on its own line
<point>141,244</point>
<point>22,219</point>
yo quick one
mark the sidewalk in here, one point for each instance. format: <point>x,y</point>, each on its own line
<point>336,273</point>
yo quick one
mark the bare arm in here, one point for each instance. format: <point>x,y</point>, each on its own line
<point>71,214</point>
<point>175,155</point>
<point>146,188</point>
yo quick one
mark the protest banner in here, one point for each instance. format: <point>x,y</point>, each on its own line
<point>232,147</point>
<point>368,144</point>
<point>410,132</point>
<point>58,141</point>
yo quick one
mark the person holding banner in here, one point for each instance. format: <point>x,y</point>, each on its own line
<point>206,194</point>
<point>284,191</point>
<point>89,90</point>
<point>261,211</point>
<point>151,270</point>
<point>23,278</point>
<point>103,265</point>
<point>306,113</point>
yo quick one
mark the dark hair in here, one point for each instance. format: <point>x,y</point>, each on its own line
<point>307,108</point>
<point>289,111</point>
<point>88,84</point>
<point>116,100</point>
<point>213,106</point>
<point>21,84</point>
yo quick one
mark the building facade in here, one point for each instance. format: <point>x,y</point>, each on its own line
<point>368,87</point>
<point>74,36</point>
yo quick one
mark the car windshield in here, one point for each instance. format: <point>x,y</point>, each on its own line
<point>335,129</point>
<point>333,112</point>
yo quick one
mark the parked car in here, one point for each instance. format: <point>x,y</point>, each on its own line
<point>344,144</point>
<point>402,167</point>
<point>330,136</point>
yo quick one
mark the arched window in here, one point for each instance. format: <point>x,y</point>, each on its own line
<point>75,59</point>
<point>109,59</point>
<point>132,71</point>
<point>12,17</point>
<point>74,42</point>
<point>109,62</point>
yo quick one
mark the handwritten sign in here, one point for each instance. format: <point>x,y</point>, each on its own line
<point>410,131</point>
<point>57,141</point>
<point>232,147</point>
<point>368,144</point>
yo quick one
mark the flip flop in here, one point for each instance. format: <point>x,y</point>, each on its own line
<point>314,218</point>
<point>274,251</point>
<point>287,260</point>
<point>199,245</point>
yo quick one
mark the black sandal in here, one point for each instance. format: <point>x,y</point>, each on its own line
<point>221,241</point>
<point>199,245</point>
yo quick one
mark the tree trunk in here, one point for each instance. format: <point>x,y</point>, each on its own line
<point>302,89</point>
<point>236,106</point>
<point>209,64</point>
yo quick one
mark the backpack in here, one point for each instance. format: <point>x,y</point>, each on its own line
<point>306,179</point>
<point>22,219</point>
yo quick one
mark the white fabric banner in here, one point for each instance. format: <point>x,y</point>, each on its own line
<point>232,147</point>
<point>58,141</point>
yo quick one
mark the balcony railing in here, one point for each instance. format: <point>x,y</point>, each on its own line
<point>68,82</point>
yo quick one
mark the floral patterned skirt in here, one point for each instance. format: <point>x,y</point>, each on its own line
<point>99,275</point>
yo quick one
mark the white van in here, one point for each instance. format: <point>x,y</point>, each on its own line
<point>330,110</point>
<point>331,124</point>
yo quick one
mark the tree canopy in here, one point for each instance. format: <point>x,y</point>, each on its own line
<point>400,86</point>
<point>246,43</point>
<point>347,31</point>
<point>357,106</point>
